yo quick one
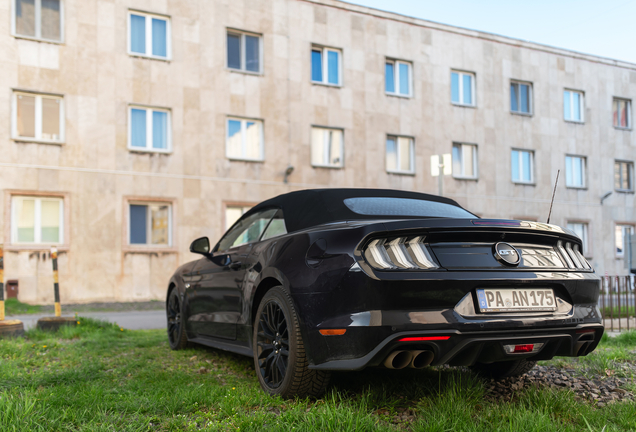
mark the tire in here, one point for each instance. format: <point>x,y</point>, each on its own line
<point>279,352</point>
<point>176,330</point>
<point>504,369</point>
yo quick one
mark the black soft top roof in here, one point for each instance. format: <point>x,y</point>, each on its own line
<point>306,208</point>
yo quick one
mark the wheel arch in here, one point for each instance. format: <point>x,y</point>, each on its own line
<point>265,285</point>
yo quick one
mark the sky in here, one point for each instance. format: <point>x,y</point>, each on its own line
<point>604,28</point>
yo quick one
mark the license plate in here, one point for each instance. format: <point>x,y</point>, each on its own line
<point>516,300</point>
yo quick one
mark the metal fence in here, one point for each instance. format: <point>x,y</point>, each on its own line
<point>617,303</point>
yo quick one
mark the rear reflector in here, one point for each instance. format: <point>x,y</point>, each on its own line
<point>333,332</point>
<point>423,338</point>
<point>585,331</point>
<point>523,348</point>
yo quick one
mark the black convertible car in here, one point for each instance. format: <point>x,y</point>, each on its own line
<point>343,279</point>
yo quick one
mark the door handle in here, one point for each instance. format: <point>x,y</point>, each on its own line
<point>236,265</point>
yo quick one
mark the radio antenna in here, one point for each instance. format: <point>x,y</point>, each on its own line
<point>553,193</point>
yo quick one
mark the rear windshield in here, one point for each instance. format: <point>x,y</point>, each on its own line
<point>405,207</point>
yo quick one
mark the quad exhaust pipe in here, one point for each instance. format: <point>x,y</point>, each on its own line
<point>416,359</point>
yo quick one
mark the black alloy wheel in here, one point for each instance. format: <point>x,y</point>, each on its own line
<point>176,330</point>
<point>279,352</point>
<point>273,344</point>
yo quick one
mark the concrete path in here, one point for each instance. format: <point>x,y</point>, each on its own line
<point>135,320</point>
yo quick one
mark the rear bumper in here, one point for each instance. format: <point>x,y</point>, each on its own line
<point>466,349</point>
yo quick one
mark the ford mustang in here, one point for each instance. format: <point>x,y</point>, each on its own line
<point>344,279</point>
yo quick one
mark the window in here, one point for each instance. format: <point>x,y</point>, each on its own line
<point>38,117</point>
<point>397,80</point>
<point>37,220</point>
<point>580,229</point>
<point>462,88</point>
<point>325,66</point>
<point>623,175</point>
<point>149,35</point>
<point>244,139</point>
<point>573,105</point>
<point>247,230</point>
<point>522,166</point>
<point>243,51</point>
<point>464,161</point>
<point>622,113</point>
<point>149,129</point>
<point>327,147</point>
<point>521,98</point>
<point>621,238</point>
<point>399,154</point>
<point>575,171</point>
<point>38,19</point>
<point>150,224</point>
<point>233,213</point>
<point>276,227</point>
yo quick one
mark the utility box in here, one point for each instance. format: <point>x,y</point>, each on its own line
<point>12,289</point>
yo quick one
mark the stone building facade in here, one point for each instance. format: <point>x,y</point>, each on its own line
<point>134,126</point>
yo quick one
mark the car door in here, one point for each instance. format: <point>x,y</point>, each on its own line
<point>218,281</point>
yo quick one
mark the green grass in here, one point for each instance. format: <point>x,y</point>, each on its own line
<point>97,377</point>
<point>13,306</point>
<point>624,311</point>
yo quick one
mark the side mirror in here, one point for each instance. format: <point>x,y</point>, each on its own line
<point>200,246</point>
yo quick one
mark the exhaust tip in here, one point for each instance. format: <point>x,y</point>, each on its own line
<point>421,359</point>
<point>398,360</point>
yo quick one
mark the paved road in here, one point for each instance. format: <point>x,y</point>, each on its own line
<point>135,320</point>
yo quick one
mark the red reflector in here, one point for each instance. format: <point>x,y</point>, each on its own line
<point>423,338</point>
<point>524,348</point>
<point>332,332</point>
<point>586,331</point>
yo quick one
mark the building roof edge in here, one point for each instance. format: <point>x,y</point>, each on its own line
<point>493,37</point>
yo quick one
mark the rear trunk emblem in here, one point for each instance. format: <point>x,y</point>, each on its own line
<point>506,254</point>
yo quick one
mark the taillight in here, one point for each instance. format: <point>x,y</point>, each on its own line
<point>399,253</point>
<point>572,256</point>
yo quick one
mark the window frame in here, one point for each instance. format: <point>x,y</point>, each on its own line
<point>38,117</point>
<point>396,77</point>
<point>38,197</point>
<point>38,23</point>
<point>581,105</point>
<point>473,92</point>
<point>622,225</point>
<point>172,223</point>
<point>342,147</point>
<point>149,129</point>
<point>324,50</point>
<point>583,173</point>
<point>242,205</point>
<point>244,121</point>
<point>586,252</point>
<point>242,34</point>
<point>532,178</point>
<point>628,103</point>
<point>475,161</point>
<point>411,139</point>
<point>148,16</point>
<point>530,98</point>
<point>630,167</point>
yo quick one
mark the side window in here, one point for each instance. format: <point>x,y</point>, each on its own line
<point>276,227</point>
<point>246,230</point>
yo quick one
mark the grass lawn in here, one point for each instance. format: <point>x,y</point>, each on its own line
<point>97,377</point>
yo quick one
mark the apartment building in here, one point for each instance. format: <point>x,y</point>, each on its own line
<point>134,126</point>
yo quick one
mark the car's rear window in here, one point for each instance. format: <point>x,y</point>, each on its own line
<point>376,206</point>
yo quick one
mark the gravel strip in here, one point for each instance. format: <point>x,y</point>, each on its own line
<point>600,390</point>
